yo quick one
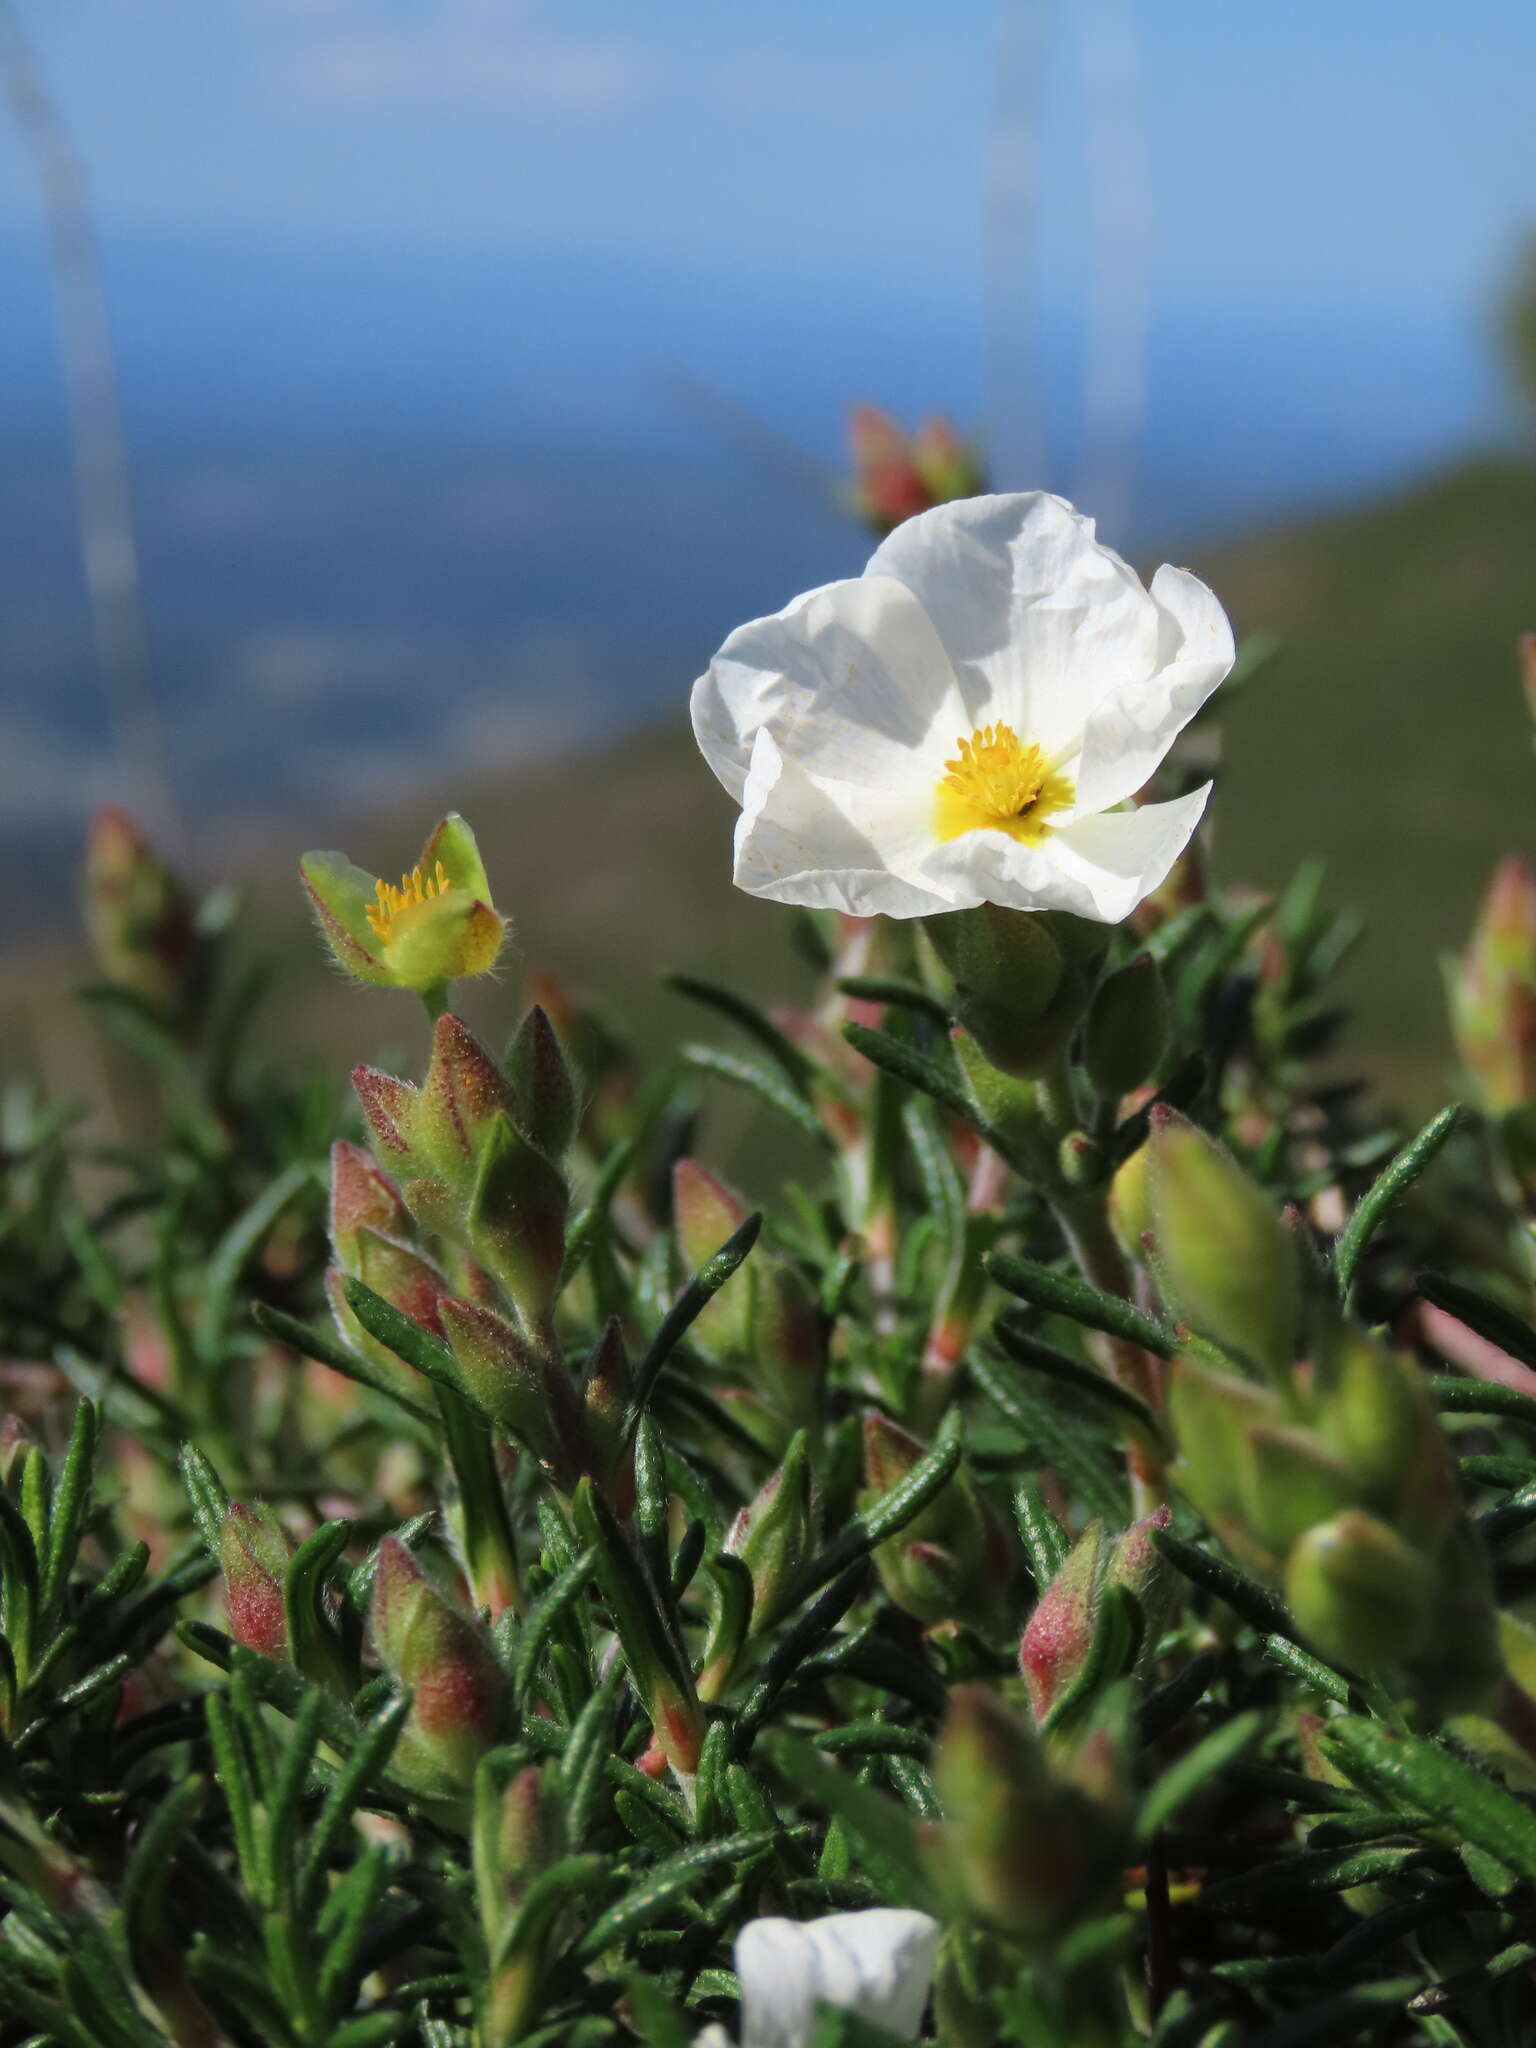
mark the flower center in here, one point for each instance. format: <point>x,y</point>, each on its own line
<point>997,783</point>
<point>414,888</point>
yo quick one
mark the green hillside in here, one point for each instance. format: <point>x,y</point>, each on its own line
<point>1389,736</point>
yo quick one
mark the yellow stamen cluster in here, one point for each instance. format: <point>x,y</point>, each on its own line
<point>997,783</point>
<point>414,888</point>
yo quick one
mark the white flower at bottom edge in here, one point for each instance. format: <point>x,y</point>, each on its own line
<point>877,1964</point>
<point>957,725</point>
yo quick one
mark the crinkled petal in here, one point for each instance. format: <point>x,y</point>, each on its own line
<point>830,846</point>
<point>1098,867</point>
<point>877,1964</point>
<point>1040,620</point>
<point>851,680</point>
<point>1130,731</point>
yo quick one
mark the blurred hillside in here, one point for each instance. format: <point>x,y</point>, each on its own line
<point>1389,737</point>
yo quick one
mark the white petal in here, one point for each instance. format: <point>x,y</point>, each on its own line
<point>831,846</point>
<point>1131,730</point>
<point>1098,867</point>
<point>851,679</point>
<point>877,1964</point>
<point>713,2036</point>
<point>1040,620</point>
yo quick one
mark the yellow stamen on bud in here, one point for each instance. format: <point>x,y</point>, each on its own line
<point>414,888</point>
<point>997,783</point>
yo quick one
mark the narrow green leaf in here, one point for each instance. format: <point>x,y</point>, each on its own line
<point>1132,1415</point>
<point>1253,1603</point>
<point>664,1884</point>
<point>328,1349</point>
<point>798,1068</point>
<point>1194,1770</point>
<point>883,1829</point>
<point>905,1063</point>
<point>406,1338</point>
<point>546,1615</point>
<point>762,1080</point>
<point>67,1516</point>
<point>236,1246</point>
<point>581,1233</point>
<point>1094,1474</point>
<point>1064,1294</point>
<point>892,1511</point>
<point>695,1297</point>
<point>898,995</point>
<point>1409,1771</point>
<point>205,1491</point>
<point>1390,1186</point>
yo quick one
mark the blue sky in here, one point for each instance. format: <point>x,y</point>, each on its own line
<point>1376,151</point>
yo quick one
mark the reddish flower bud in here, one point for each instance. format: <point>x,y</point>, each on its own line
<point>362,1196</point>
<point>1058,1636</point>
<point>1493,992</point>
<point>463,1094</point>
<point>430,1646</point>
<point>254,1553</point>
<point>138,915</point>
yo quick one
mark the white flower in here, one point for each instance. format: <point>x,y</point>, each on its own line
<point>878,1964</point>
<point>957,725</point>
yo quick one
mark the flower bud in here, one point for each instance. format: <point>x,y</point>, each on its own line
<point>888,486</point>
<point>1144,1575</point>
<point>515,1221</point>
<point>463,1094</point>
<point>1211,1415</point>
<point>1027,1854</point>
<point>948,465</point>
<point>1057,1639</point>
<point>1226,1263</point>
<point>1013,990</point>
<point>511,1840</point>
<point>946,1563</point>
<point>1127,1030</point>
<point>389,1109</point>
<point>138,916</point>
<point>773,1536</point>
<point>406,1281</point>
<point>542,1087</point>
<point>786,1339</point>
<point>705,1212</point>
<point>502,1372</point>
<point>1493,992</point>
<point>254,1553</point>
<point>15,1441</point>
<point>437,925</point>
<point>1378,1415</point>
<point>1130,1203</point>
<point>362,1196</point>
<point>1361,1594</point>
<point>1010,1106</point>
<point>607,1390</point>
<point>430,1646</point>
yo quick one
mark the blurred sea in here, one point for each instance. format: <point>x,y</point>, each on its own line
<point>401,515</point>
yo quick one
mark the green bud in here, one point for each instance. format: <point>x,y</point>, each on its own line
<point>1025,1853</point>
<point>607,1389</point>
<point>1226,1263</point>
<point>1211,1415</point>
<point>437,925</point>
<point>1012,989</point>
<point>774,1534</point>
<point>1130,1204</point>
<point>432,1648</point>
<point>1361,1594</point>
<point>511,1839</point>
<point>786,1339</point>
<point>1010,1106</point>
<point>406,1281</point>
<point>1127,1030</point>
<point>1377,1414</point>
<point>515,1221</point>
<point>947,1563</point>
<point>254,1553</point>
<point>515,1385</point>
<point>1288,1481</point>
<point>542,1086</point>
<point>705,1212</point>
